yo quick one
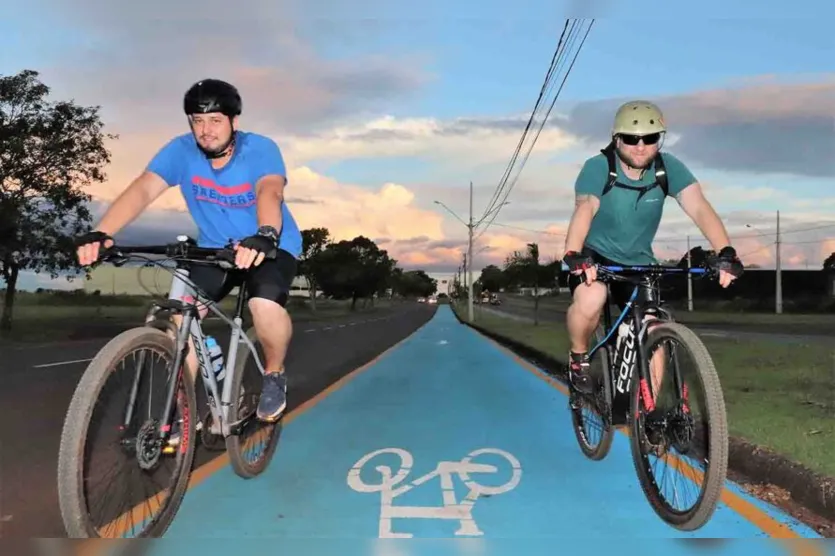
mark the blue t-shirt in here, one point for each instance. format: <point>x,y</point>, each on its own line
<point>222,201</point>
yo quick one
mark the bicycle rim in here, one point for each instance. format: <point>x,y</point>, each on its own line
<point>74,462</point>
<point>714,448</point>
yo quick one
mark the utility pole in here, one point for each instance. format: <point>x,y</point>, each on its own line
<point>778,293</point>
<point>470,257</point>
<point>689,278</point>
<point>465,272</point>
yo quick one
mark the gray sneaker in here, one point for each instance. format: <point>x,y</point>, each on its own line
<point>273,397</point>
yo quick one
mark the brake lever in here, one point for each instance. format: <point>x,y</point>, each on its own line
<point>226,258</point>
<point>113,256</point>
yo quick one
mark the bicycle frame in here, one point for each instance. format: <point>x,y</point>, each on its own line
<point>190,327</point>
<point>628,352</point>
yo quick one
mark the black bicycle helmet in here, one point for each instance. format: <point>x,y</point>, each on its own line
<point>212,95</point>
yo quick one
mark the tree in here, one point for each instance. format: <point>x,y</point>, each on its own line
<point>49,151</point>
<point>532,263</point>
<point>524,268</point>
<point>353,269</point>
<point>829,263</point>
<point>314,241</point>
<point>492,278</point>
<point>414,283</point>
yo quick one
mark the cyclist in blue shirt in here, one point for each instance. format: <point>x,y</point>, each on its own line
<point>233,184</point>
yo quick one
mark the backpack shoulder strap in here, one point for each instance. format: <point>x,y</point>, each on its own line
<point>661,174</point>
<point>612,178</point>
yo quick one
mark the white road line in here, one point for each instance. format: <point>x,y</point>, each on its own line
<point>62,363</point>
<point>310,330</point>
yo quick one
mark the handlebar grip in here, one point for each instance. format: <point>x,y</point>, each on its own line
<point>226,258</point>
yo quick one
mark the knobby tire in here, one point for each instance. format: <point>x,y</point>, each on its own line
<point>71,496</point>
<point>717,424</point>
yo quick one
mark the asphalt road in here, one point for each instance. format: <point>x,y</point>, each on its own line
<point>523,309</point>
<point>38,383</point>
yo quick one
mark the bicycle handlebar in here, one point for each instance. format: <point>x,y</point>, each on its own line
<point>638,273</point>
<point>182,250</point>
<point>653,269</point>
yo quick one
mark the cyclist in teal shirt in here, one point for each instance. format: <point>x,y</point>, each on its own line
<point>233,184</point>
<point>620,196</point>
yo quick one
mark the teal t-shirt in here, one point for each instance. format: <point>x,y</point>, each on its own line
<point>623,230</point>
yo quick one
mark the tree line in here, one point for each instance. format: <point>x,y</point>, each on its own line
<point>50,151</point>
<point>356,269</point>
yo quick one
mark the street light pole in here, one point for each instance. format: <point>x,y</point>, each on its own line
<point>470,258</point>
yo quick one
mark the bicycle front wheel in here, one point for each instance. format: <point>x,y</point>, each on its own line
<point>694,426</point>
<point>132,447</point>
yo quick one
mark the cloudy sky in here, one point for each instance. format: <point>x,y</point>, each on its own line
<point>381,112</point>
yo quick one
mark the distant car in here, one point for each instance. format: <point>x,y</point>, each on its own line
<point>421,300</point>
<point>433,300</point>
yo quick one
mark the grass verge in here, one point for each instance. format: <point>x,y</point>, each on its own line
<point>49,318</point>
<point>781,396</point>
<point>780,401</point>
<point>823,322</point>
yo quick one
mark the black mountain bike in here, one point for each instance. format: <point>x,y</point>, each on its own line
<point>624,396</point>
<point>147,438</point>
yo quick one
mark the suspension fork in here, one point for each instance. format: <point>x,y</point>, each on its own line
<point>150,320</point>
<point>644,382</point>
<point>176,374</point>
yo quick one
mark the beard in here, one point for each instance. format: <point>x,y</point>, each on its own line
<point>633,163</point>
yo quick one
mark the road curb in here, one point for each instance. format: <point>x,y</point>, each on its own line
<point>757,464</point>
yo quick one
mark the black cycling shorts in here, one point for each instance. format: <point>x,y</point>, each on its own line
<point>619,292</point>
<point>271,279</point>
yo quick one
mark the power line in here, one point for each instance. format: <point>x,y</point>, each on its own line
<point>539,131</point>
<point>542,92</point>
<point>494,207</point>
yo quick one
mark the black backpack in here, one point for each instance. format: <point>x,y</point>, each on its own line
<point>660,175</point>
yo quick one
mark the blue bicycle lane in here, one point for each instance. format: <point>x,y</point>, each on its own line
<point>447,435</point>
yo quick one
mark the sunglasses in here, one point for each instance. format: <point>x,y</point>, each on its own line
<point>633,140</point>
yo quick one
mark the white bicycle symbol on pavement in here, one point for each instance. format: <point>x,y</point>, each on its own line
<point>452,509</point>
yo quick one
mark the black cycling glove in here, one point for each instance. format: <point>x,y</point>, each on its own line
<point>262,242</point>
<point>728,261</point>
<point>577,261</point>
<point>91,237</point>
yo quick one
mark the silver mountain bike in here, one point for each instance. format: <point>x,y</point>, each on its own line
<point>147,437</point>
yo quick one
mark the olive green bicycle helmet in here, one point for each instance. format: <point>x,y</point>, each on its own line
<point>639,117</point>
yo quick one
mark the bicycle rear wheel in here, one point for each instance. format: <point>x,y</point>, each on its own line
<point>599,405</point>
<point>254,434</point>
<point>133,445</point>
<point>656,432</point>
